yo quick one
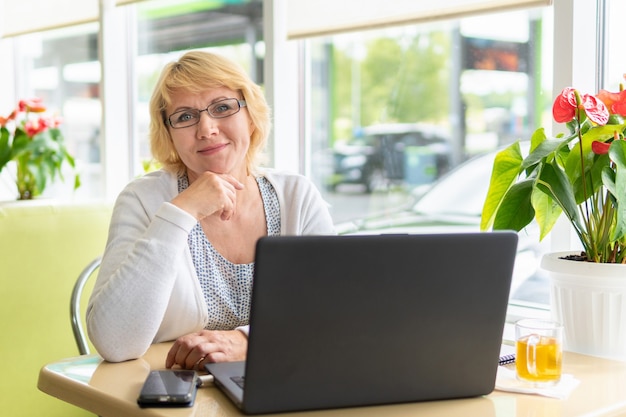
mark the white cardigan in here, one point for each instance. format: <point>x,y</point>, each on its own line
<point>147,289</point>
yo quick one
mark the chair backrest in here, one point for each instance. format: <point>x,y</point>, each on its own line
<point>75,310</point>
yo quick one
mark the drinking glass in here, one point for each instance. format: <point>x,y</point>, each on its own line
<point>539,351</point>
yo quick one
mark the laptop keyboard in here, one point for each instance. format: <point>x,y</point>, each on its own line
<point>238,380</point>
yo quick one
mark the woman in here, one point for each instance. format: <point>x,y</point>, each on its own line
<point>179,259</point>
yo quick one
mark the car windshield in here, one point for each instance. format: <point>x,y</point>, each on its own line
<point>461,192</point>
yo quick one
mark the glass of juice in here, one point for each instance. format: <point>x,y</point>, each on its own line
<point>539,351</point>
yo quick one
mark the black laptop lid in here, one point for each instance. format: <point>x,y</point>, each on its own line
<point>341,321</point>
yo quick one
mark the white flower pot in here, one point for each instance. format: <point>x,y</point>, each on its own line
<point>589,299</point>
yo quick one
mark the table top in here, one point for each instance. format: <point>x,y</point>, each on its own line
<point>111,389</point>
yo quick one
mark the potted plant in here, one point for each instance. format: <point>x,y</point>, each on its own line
<point>581,174</point>
<point>35,144</point>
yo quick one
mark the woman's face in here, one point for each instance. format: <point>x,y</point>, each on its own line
<point>216,145</point>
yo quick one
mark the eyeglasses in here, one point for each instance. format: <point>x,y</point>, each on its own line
<point>218,110</point>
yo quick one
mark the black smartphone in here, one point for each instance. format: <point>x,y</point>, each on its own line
<point>169,388</point>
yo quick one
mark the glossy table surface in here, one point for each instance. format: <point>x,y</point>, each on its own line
<point>111,389</point>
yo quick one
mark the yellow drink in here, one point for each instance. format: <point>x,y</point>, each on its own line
<point>540,360</point>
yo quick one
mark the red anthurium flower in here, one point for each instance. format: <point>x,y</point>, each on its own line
<point>55,121</point>
<point>595,109</point>
<point>608,97</point>
<point>616,102</point>
<point>600,148</point>
<point>34,127</point>
<point>564,107</point>
<point>31,105</point>
<point>34,166</point>
<point>5,120</point>
<point>619,107</point>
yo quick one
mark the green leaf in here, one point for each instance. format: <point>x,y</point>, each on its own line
<point>608,179</point>
<point>515,211</point>
<point>592,164</point>
<point>599,163</point>
<point>573,161</point>
<point>69,158</point>
<point>603,133</point>
<point>43,144</point>
<point>20,143</point>
<point>617,153</point>
<point>38,167</point>
<point>553,181</point>
<point>540,148</point>
<point>547,212</point>
<point>5,149</point>
<point>506,168</point>
<point>593,178</point>
<point>538,137</point>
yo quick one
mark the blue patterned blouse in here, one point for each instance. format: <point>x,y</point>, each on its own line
<point>227,286</point>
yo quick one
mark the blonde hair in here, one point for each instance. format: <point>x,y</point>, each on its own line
<point>195,72</point>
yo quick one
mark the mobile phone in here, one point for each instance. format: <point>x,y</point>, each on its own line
<point>169,388</point>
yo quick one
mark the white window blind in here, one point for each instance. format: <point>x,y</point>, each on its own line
<point>305,17</point>
<point>308,18</point>
<point>125,2</point>
<point>27,16</point>
<point>19,17</point>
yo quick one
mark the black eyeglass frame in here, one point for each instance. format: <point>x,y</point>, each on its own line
<point>240,104</point>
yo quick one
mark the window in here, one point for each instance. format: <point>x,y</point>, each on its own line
<point>61,67</point>
<point>405,122</point>
<point>614,55</point>
<point>166,29</point>
<point>389,112</point>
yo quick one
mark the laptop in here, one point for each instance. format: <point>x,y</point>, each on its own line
<point>358,320</point>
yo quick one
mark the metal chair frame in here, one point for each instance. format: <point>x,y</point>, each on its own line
<point>75,313</point>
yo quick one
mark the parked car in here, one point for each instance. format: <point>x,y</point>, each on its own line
<point>381,155</point>
<point>454,204</point>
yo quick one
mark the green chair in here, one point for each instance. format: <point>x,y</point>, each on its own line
<point>44,246</point>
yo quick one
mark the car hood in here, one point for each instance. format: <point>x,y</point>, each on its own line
<point>408,221</point>
<point>349,150</point>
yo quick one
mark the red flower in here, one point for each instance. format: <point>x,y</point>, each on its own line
<point>31,105</point>
<point>34,127</point>
<point>616,102</point>
<point>55,121</point>
<point>595,109</point>
<point>608,97</point>
<point>564,107</point>
<point>600,148</point>
<point>5,120</point>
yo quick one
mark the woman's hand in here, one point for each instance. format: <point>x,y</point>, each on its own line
<point>193,350</point>
<point>210,193</point>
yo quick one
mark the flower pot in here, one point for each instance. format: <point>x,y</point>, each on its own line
<point>589,299</point>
